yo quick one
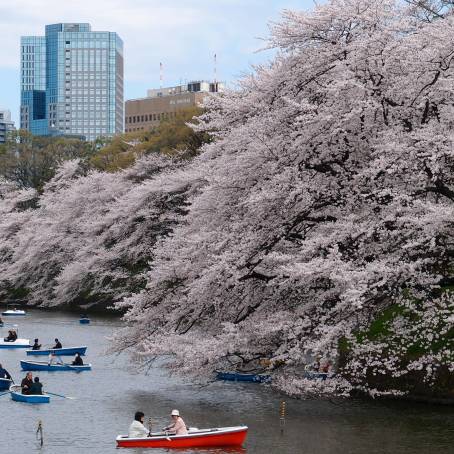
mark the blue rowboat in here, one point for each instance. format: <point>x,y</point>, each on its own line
<point>70,351</point>
<point>18,343</point>
<point>313,375</point>
<point>41,365</point>
<point>237,376</point>
<point>17,396</point>
<point>5,384</point>
<point>84,321</point>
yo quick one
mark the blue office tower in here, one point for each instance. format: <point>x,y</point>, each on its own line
<point>72,82</point>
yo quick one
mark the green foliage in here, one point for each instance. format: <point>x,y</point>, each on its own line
<point>31,161</point>
<point>172,137</point>
<point>380,327</point>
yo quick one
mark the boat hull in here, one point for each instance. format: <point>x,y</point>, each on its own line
<point>17,396</point>
<point>35,365</point>
<point>230,436</point>
<point>84,321</point>
<point>14,313</point>
<point>5,384</point>
<point>70,351</point>
<point>234,376</point>
<point>18,343</point>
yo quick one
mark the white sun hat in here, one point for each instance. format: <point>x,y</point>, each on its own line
<point>175,413</point>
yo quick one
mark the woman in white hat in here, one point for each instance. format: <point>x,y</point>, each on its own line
<point>178,427</point>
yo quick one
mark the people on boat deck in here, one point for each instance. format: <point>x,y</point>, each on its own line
<point>12,336</point>
<point>36,387</point>
<point>36,345</point>
<point>78,360</point>
<point>54,359</point>
<point>27,383</point>
<point>178,427</point>
<point>57,344</point>
<point>137,429</point>
<point>4,373</point>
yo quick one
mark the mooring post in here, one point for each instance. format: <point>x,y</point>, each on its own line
<point>39,432</point>
<point>282,416</point>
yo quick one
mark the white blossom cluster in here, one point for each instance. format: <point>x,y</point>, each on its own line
<point>325,199</point>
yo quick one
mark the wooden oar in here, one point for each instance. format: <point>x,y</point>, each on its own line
<point>60,395</point>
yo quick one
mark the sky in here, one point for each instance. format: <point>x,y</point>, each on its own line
<point>182,34</point>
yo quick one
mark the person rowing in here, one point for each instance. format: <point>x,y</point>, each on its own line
<point>4,373</point>
<point>137,429</point>
<point>78,360</point>
<point>12,336</point>
<point>27,383</point>
<point>178,427</point>
<point>54,359</point>
<point>57,345</point>
<point>36,345</point>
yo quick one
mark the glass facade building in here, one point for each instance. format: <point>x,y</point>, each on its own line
<point>72,82</point>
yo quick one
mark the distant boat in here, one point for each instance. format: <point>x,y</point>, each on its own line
<point>238,376</point>
<point>12,311</point>
<point>196,438</point>
<point>42,365</point>
<point>18,343</point>
<point>5,383</point>
<point>313,375</point>
<point>68,351</point>
<point>17,396</point>
<point>84,321</point>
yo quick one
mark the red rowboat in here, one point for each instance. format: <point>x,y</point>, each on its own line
<point>196,438</point>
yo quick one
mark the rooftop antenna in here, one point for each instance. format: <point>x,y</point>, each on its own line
<point>161,75</point>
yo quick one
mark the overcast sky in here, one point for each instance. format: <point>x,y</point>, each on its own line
<point>183,34</point>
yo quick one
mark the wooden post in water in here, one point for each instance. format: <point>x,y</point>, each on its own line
<point>39,433</point>
<point>282,416</point>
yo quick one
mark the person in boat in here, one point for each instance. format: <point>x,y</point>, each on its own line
<point>27,383</point>
<point>57,344</point>
<point>36,387</point>
<point>12,336</point>
<point>4,373</point>
<point>54,359</point>
<point>178,427</point>
<point>36,345</point>
<point>137,429</point>
<point>78,360</point>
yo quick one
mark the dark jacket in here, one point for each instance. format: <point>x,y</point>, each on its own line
<point>4,374</point>
<point>57,345</point>
<point>26,382</point>
<point>36,346</point>
<point>78,361</point>
<point>36,388</point>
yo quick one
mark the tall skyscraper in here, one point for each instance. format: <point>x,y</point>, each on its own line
<point>72,82</point>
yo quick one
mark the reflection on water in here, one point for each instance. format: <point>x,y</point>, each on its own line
<point>109,395</point>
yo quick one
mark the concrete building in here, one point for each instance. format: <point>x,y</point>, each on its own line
<point>6,125</point>
<point>72,82</point>
<point>163,103</point>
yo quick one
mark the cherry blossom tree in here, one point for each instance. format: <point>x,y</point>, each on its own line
<point>328,194</point>
<point>90,237</point>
